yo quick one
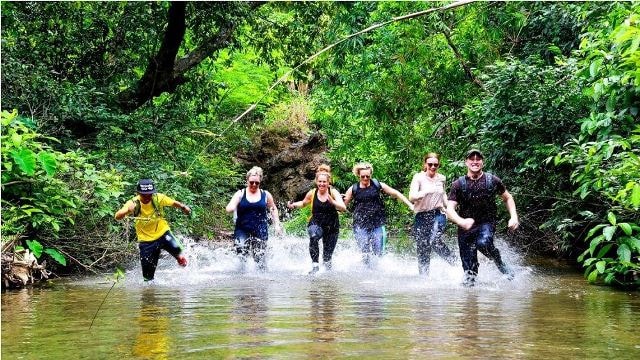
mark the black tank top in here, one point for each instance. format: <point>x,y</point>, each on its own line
<point>323,213</point>
<point>368,210</point>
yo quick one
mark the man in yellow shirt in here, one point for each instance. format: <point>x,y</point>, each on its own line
<point>152,229</point>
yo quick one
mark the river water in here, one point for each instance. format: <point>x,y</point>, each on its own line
<point>215,308</point>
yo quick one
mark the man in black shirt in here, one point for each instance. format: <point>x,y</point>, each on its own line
<point>475,194</point>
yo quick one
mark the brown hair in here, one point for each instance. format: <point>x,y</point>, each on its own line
<point>427,157</point>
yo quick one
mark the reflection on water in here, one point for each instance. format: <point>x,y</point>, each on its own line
<point>152,339</point>
<point>215,309</point>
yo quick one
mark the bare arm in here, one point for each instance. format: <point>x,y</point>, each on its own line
<point>396,194</point>
<point>233,203</point>
<point>336,200</point>
<point>465,223</point>
<point>511,207</point>
<point>185,209</point>
<point>126,209</point>
<point>302,203</point>
<point>275,216</point>
<point>348,196</point>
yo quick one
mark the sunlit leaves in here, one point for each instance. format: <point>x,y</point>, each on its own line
<point>25,159</point>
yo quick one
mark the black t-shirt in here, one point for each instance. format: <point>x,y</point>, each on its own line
<point>479,202</point>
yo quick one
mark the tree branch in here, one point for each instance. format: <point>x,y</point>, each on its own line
<point>159,76</point>
<point>465,66</point>
<point>164,73</point>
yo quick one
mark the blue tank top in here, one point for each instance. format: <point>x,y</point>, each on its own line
<point>252,216</point>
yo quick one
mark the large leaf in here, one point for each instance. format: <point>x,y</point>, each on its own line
<point>35,247</point>
<point>605,249</point>
<point>612,218</point>
<point>608,232</point>
<point>26,160</point>
<point>626,228</point>
<point>624,253</point>
<point>48,162</point>
<point>56,255</point>
<point>600,265</point>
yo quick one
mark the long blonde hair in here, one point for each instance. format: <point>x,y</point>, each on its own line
<point>361,166</point>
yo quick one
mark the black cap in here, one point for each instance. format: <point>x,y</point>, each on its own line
<point>146,186</point>
<point>474,152</point>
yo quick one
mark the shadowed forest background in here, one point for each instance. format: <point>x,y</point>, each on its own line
<point>96,95</point>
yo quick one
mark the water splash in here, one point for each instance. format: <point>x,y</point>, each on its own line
<point>288,259</point>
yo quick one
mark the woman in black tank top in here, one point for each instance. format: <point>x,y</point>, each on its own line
<point>323,224</point>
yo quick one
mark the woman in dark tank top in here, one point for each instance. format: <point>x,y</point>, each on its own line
<point>323,224</point>
<point>368,213</point>
<point>251,205</point>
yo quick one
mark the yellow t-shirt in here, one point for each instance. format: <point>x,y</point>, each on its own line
<point>149,224</point>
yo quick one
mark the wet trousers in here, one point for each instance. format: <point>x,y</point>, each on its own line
<point>370,241</point>
<point>428,231</point>
<point>150,253</point>
<point>329,236</point>
<point>251,243</point>
<point>478,238</point>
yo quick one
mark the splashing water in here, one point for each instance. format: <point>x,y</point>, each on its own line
<point>288,258</point>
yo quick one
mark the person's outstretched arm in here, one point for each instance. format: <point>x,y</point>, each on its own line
<point>185,209</point>
<point>396,194</point>
<point>126,209</point>
<point>302,203</point>
<point>465,223</point>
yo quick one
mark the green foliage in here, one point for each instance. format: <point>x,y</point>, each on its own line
<point>288,117</point>
<point>47,197</point>
<point>604,157</point>
<point>37,249</point>
<point>623,268</point>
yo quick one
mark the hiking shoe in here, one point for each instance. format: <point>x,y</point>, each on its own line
<point>182,260</point>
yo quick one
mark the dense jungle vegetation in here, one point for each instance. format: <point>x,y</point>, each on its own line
<point>98,94</point>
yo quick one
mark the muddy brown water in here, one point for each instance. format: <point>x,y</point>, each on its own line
<point>215,308</point>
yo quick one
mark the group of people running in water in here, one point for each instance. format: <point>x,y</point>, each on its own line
<point>470,204</point>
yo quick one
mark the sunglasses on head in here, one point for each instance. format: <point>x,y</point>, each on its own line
<point>433,164</point>
<point>254,182</point>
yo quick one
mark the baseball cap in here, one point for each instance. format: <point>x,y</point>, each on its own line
<point>146,186</point>
<point>474,152</point>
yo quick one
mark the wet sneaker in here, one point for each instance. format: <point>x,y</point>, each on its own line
<point>314,270</point>
<point>182,260</point>
<point>469,280</point>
